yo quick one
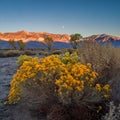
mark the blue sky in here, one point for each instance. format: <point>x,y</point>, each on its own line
<point>86,17</point>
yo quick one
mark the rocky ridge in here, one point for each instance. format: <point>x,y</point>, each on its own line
<point>102,38</point>
<point>39,36</point>
<point>33,36</point>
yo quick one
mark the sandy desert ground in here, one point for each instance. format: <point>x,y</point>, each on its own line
<point>8,68</point>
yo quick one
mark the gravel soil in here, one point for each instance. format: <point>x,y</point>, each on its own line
<point>8,68</point>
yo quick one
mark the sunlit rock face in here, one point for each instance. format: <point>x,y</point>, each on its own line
<point>33,36</point>
<point>102,38</point>
<point>60,40</point>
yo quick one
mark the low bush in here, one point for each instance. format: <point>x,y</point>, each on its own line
<point>22,59</point>
<point>45,53</point>
<point>11,53</point>
<point>59,80</point>
<point>28,52</point>
<point>57,52</point>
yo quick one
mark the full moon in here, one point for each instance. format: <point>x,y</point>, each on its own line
<point>63,27</point>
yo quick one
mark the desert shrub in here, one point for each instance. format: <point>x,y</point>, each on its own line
<point>45,53</point>
<point>11,53</point>
<point>92,52</point>
<point>22,59</point>
<point>57,79</point>
<point>105,60</point>
<point>21,44</point>
<point>57,52</point>
<point>29,52</point>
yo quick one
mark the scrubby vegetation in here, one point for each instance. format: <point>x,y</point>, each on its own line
<point>105,60</point>
<point>10,53</point>
<point>28,52</point>
<point>22,59</point>
<point>48,42</point>
<point>77,85</point>
<point>74,40</point>
<point>15,53</point>
<point>17,44</point>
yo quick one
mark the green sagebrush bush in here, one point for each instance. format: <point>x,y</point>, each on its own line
<point>29,52</point>
<point>11,53</point>
<point>22,59</point>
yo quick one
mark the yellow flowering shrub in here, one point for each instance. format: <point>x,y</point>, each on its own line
<point>65,73</point>
<point>75,78</point>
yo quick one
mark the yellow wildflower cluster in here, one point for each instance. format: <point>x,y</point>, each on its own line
<point>75,77</point>
<point>27,71</point>
<point>65,73</point>
<point>34,71</point>
<point>103,89</point>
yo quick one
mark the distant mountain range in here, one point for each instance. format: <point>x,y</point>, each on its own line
<point>33,39</point>
<point>103,38</point>
<point>33,36</point>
